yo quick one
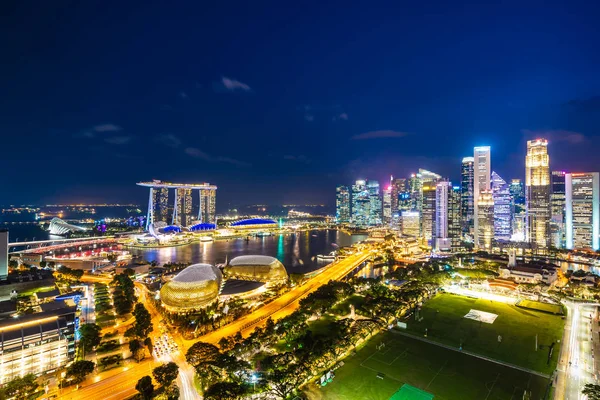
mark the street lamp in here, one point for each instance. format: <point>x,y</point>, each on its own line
<point>253,380</point>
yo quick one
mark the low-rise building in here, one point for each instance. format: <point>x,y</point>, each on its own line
<point>37,343</point>
<point>530,273</point>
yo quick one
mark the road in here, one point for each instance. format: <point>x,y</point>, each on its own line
<point>577,362</point>
<point>285,304</point>
<point>118,384</point>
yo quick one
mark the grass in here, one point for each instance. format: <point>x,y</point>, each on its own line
<point>446,374</point>
<point>443,316</point>
<point>539,306</point>
<point>343,308</point>
<point>321,326</point>
<point>30,292</point>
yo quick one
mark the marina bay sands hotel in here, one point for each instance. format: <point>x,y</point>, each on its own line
<point>183,211</point>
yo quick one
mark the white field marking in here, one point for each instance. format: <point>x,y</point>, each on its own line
<point>435,376</point>
<point>492,388</point>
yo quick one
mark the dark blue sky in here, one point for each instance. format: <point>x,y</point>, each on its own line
<point>278,102</point>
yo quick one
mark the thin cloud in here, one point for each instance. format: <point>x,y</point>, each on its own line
<point>107,128</point>
<point>379,135</point>
<point>168,139</point>
<point>591,104</point>
<point>232,84</point>
<point>197,153</point>
<point>309,117</point>
<point>118,140</point>
<point>300,158</point>
<point>343,116</point>
<point>556,136</point>
<point>183,95</point>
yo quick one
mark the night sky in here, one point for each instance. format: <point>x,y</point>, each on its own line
<point>279,102</point>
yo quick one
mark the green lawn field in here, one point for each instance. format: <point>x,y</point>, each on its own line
<point>447,374</point>
<point>443,316</point>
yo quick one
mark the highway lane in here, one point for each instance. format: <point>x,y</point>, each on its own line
<point>577,364</point>
<point>285,304</point>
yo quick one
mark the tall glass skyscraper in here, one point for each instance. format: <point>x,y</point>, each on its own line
<point>503,208</point>
<point>467,202</point>
<point>481,181</point>
<point>537,193</point>
<point>557,209</point>
<point>428,227</point>
<point>375,207</point>
<point>485,220</point>
<point>361,203</point>
<point>387,205</point>
<point>342,204</point>
<point>398,187</point>
<point>447,216</point>
<point>582,210</point>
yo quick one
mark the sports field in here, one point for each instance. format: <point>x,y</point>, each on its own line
<point>447,374</point>
<point>444,318</point>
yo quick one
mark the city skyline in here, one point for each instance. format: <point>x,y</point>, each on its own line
<point>245,111</point>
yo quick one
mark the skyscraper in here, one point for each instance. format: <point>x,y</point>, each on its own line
<point>414,188</point>
<point>360,203</point>
<point>207,210</point>
<point>537,193</point>
<point>428,227</point>
<point>467,201</point>
<point>481,181</point>
<point>411,223</point>
<point>517,192</point>
<point>582,210</point>
<point>455,217</point>
<point>342,204</point>
<point>163,205</point>
<point>3,254</point>
<point>398,187</point>
<point>485,220</point>
<point>442,194</point>
<point>503,208</point>
<point>557,209</point>
<point>375,207</point>
<point>387,205</point>
<point>183,206</point>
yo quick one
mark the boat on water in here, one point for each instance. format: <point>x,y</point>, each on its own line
<point>207,239</point>
<point>329,257</point>
<point>263,234</point>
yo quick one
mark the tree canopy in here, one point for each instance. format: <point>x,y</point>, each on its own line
<point>165,374</point>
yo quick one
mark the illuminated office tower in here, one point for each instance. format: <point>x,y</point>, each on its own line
<point>207,212</point>
<point>467,201</point>
<point>557,209</point>
<point>481,181</point>
<point>360,203</point>
<point>485,220</point>
<point>503,208</point>
<point>342,204</point>
<point>517,191</point>
<point>163,205</point>
<point>428,227</point>
<point>537,193</point>
<point>582,210</point>
<point>414,188</point>
<point>3,254</point>
<point>398,187</point>
<point>455,223</point>
<point>442,194</point>
<point>411,223</point>
<point>375,207</point>
<point>387,205</point>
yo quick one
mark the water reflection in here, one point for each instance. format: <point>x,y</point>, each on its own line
<point>297,251</point>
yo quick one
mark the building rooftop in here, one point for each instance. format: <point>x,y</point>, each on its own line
<point>252,260</point>
<point>198,273</point>
<point>48,294</point>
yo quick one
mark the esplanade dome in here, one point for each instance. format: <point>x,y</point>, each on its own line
<point>194,288</point>
<point>257,268</point>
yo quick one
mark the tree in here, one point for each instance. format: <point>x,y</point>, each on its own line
<point>283,382</point>
<point>591,391</point>
<point>143,321</point>
<point>20,388</point>
<point>165,374</point>
<point>79,370</point>
<point>201,353</point>
<point>43,264</point>
<point>225,391</point>
<point>148,343</point>
<point>145,387</point>
<point>89,336</point>
<point>136,349</point>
